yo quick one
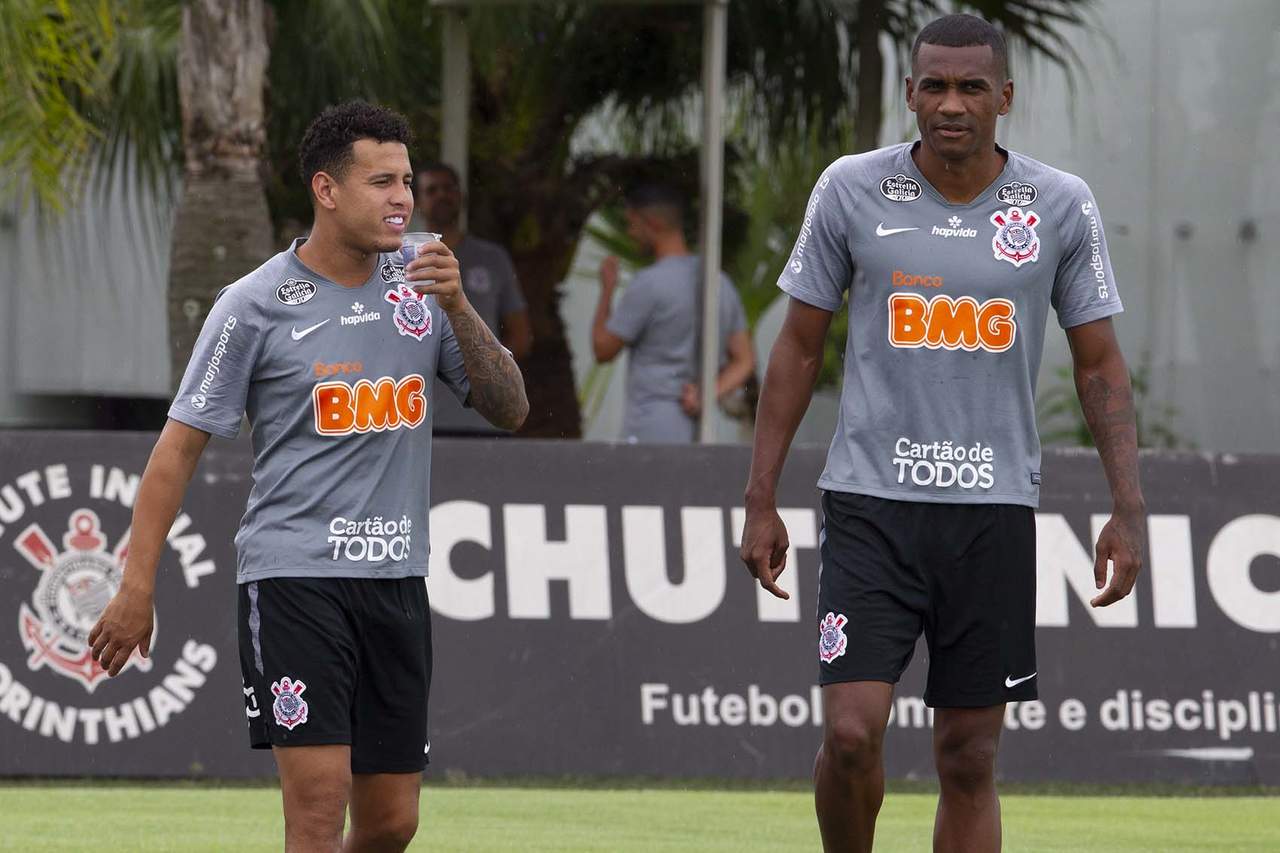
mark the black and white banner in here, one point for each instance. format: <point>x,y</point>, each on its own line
<point>592,617</point>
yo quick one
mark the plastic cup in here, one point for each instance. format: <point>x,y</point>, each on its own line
<point>411,240</point>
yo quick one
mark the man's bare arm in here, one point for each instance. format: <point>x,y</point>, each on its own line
<point>126,623</point>
<point>1106,396</point>
<point>788,384</point>
<point>740,365</point>
<point>497,386</point>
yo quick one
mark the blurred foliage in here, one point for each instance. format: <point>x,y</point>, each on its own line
<point>1062,422</point>
<point>54,57</point>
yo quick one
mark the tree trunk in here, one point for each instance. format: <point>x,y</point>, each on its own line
<point>870,97</point>
<point>222,228</point>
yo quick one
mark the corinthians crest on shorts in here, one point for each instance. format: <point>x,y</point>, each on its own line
<point>831,637</point>
<point>1016,240</point>
<point>289,706</point>
<point>74,588</point>
<point>411,316</point>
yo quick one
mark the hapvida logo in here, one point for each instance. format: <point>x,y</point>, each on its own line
<point>954,229</point>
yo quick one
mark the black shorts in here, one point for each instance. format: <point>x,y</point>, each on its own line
<point>964,574</point>
<point>339,661</point>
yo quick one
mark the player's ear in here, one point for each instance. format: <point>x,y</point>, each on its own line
<point>1007,103</point>
<point>322,187</point>
<point>911,94</point>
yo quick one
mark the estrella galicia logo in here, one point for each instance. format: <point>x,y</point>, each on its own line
<point>900,188</point>
<point>1017,194</point>
<point>295,291</point>
<point>391,272</point>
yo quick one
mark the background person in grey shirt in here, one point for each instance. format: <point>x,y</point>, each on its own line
<point>488,279</point>
<point>658,319</point>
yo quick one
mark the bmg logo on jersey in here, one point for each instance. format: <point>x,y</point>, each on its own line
<point>952,324</point>
<point>945,464</point>
<point>383,404</point>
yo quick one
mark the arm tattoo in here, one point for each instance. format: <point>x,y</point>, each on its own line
<point>1107,401</point>
<point>497,388</point>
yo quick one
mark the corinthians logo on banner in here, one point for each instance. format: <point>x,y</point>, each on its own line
<point>64,539</point>
<point>74,587</point>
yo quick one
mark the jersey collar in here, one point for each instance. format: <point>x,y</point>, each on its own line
<point>907,165</point>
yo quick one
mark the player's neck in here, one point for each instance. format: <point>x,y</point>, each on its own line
<point>959,181</point>
<point>331,258</point>
<point>670,246</point>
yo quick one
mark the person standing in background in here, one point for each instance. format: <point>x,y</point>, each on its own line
<point>659,319</point>
<point>488,280</point>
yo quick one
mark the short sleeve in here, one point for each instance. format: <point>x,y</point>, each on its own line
<point>733,317</point>
<point>450,366</point>
<point>215,385</point>
<point>510,299</point>
<point>1084,287</point>
<point>821,267</point>
<point>632,313</point>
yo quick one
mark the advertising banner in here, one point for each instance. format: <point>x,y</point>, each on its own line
<point>591,617</point>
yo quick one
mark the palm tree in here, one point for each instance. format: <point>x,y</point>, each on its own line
<point>540,73</point>
<point>222,227</point>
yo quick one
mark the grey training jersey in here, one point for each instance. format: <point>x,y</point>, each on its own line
<point>947,310</point>
<point>337,383</point>
<point>658,316</point>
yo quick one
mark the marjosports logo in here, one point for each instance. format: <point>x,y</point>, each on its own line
<point>386,403</point>
<point>67,538</point>
<point>371,540</point>
<point>944,465</point>
<point>1095,249</point>
<point>954,324</point>
<point>806,227</point>
<point>214,366</point>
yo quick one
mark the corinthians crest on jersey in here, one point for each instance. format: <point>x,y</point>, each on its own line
<point>1016,240</point>
<point>412,316</point>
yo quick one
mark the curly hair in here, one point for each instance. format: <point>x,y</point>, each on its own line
<point>327,144</point>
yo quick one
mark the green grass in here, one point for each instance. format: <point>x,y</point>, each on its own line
<point>110,818</point>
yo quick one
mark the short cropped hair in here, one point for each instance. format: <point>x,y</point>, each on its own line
<point>661,199</point>
<point>964,31</point>
<point>327,144</point>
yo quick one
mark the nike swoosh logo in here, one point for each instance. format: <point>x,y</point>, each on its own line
<point>881,231</point>
<point>1010,681</point>
<point>297,336</point>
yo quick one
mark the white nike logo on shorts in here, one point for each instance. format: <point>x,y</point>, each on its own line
<point>881,231</point>
<point>297,336</point>
<point>1010,681</point>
